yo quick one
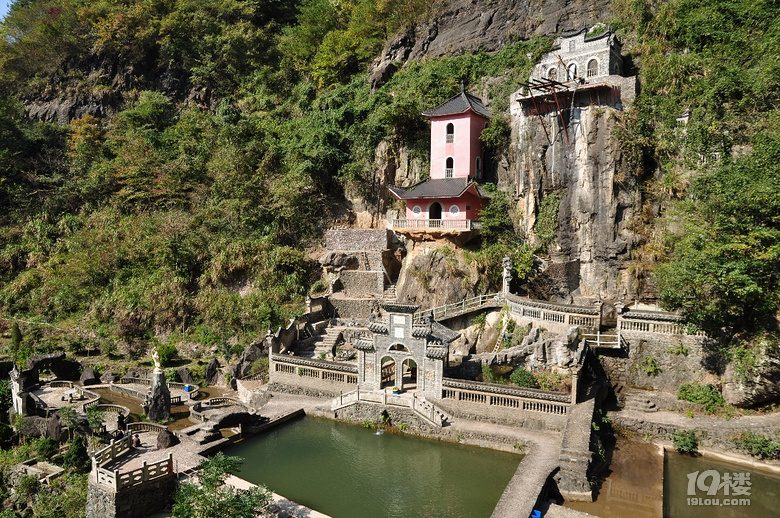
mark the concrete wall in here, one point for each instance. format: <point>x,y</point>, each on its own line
<point>630,368</point>
<point>359,239</point>
<point>136,502</point>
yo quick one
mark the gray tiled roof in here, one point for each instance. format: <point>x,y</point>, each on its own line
<point>459,104</point>
<point>436,188</point>
<point>443,333</point>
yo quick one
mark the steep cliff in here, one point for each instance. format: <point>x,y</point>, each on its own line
<point>460,26</point>
<point>576,174</point>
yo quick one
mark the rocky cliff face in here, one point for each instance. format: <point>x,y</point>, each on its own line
<point>589,206</point>
<point>466,26</point>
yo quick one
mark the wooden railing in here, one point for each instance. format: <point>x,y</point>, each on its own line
<point>121,480</point>
<point>489,394</point>
<point>444,224</point>
<point>318,369</point>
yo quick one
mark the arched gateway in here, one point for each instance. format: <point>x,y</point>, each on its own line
<point>403,352</point>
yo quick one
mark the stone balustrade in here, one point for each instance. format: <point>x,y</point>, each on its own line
<point>116,448</point>
<point>659,322</point>
<point>317,369</point>
<point>424,409</point>
<point>557,316</point>
<point>489,394</point>
<point>122,480</point>
<point>143,426</point>
<point>432,224</point>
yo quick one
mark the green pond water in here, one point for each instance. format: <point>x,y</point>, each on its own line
<point>764,490</point>
<point>347,471</point>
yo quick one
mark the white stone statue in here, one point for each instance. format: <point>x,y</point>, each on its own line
<point>507,263</point>
<point>156,360</point>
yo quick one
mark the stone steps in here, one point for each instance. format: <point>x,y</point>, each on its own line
<point>324,343</point>
<point>390,294</point>
<point>639,403</point>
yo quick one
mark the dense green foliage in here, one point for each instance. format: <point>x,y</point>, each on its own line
<point>706,395</point>
<point>758,445</point>
<point>233,143</point>
<point>686,442</point>
<point>211,498</point>
<point>523,378</point>
<point>714,176</point>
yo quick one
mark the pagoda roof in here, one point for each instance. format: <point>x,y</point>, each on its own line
<point>460,103</point>
<point>438,188</point>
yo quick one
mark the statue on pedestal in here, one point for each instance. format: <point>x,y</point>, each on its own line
<point>507,262</point>
<point>159,408</point>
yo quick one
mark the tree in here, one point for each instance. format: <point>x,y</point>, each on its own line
<point>723,265</point>
<point>211,498</point>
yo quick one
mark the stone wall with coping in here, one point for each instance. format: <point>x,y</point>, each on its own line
<point>360,283</point>
<point>678,358</point>
<point>502,415</point>
<point>354,308</point>
<point>356,239</point>
<point>138,501</point>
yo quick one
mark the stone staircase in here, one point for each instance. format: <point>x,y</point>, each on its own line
<point>639,403</point>
<point>390,294</point>
<point>324,343</point>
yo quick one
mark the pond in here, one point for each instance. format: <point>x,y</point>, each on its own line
<point>760,496</point>
<point>348,471</point>
<point>644,483</point>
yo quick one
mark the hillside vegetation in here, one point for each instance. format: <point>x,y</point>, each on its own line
<point>224,136</point>
<point>232,134</point>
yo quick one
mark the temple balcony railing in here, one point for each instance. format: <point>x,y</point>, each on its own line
<point>433,224</point>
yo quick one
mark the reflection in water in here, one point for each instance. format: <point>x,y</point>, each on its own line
<point>634,484</point>
<point>347,471</point>
<point>764,490</point>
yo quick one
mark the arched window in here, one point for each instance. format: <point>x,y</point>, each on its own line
<point>571,71</point>
<point>416,210</point>
<point>479,167</point>
<point>449,167</point>
<point>552,74</point>
<point>454,210</point>
<point>593,68</point>
<point>450,133</point>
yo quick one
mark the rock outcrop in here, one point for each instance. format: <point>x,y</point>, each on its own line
<point>761,385</point>
<point>461,26</point>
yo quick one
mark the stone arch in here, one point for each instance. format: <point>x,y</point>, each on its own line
<point>593,68</point>
<point>409,374</point>
<point>387,368</point>
<point>434,211</point>
<point>571,71</point>
<point>398,347</point>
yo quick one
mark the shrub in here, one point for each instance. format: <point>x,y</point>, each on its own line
<point>706,395</point>
<point>550,380</point>
<point>757,445</point>
<point>259,367</point>
<point>167,353</point>
<point>686,442</point>
<point>76,456</point>
<point>45,447</point>
<point>523,378</point>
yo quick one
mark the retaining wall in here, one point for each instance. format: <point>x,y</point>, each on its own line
<point>139,501</point>
<point>359,239</point>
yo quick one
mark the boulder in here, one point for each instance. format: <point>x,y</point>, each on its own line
<point>212,376</point>
<point>67,369</point>
<point>185,376</point>
<point>252,352</point>
<point>44,360</point>
<point>760,386</point>
<point>340,260</point>
<point>54,428</point>
<point>89,377</point>
<point>160,398</point>
<point>166,439</point>
<point>109,377</point>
